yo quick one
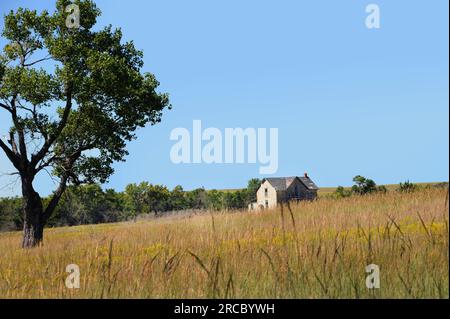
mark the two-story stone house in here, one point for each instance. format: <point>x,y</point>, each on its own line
<point>276,190</point>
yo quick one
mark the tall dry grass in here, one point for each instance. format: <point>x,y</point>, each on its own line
<point>310,250</point>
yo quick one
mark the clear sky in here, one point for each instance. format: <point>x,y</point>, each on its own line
<point>347,100</point>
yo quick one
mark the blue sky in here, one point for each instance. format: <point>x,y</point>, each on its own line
<point>347,100</point>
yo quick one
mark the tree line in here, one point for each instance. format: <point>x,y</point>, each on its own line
<point>364,186</point>
<point>90,204</point>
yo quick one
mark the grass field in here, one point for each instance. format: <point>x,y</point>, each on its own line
<point>326,191</point>
<point>315,250</point>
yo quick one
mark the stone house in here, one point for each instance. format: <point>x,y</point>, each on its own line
<point>276,190</point>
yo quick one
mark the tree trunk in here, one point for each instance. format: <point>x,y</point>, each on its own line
<point>33,234</point>
<point>33,224</point>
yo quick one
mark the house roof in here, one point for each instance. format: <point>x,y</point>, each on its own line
<point>279,183</point>
<point>283,183</point>
<point>308,183</point>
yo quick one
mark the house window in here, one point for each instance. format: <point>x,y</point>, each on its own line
<point>267,204</point>
<point>266,192</point>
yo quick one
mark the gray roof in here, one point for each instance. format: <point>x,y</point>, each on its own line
<point>279,183</point>
<point>308,183</point>
<point>282,183</point>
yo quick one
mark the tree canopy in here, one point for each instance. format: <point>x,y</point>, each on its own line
<point>75,97</point>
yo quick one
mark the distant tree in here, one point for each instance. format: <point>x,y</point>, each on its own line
<point>214,200</point>
<point>88,204</point>
<point>241,199</point>
<point>11,217</point>
<point>71,210</point>
<point>234,199</point>
<point>157,198</point>
<point>227,200</point>
<point>252,187</point>
<point>177,199</point>
<point>135,198</point>
<point>75,97</point>
<point>363,185</point>
<point>197,199</point>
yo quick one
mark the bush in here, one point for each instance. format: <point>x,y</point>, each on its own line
<point>382,189</point>
<point>407,187</point>
<point>341,192</point>
<point>363,185</point>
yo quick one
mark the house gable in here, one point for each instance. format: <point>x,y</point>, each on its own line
<point>298,190</point>
<point>267,195</point>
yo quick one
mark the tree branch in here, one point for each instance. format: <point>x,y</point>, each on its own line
<point>62,186</point>
<point>35,158</point>
<point>37,61</point>
<point>38,124</point>
<point>34,113</point>
<point>45,164</point>
<point>55,198</point>
<point>10,154</point>
<point>6,107</point>
<point>22,145</point>
<point>24,107</point>
<point>10,174</point>
<point>12,142</point>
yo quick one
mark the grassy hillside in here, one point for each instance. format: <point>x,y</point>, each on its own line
<point>324,191</point>
<point>316,250</point>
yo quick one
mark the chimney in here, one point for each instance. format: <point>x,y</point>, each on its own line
<point>306,175</point>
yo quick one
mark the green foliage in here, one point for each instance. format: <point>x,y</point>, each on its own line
<point>252,188</point>
<point>234,200</point>
<point>406,187</point>
<point>341,192</point>
<point>78,95</point>
<point>88,204</point>
<point>214,200</point>
<point>363,185</point>
<point>196,199</point>
<point>146,198</point>
<point>177,200</point>
<point>2,68</point>
<point>382,189</point>
<point>10,214</point>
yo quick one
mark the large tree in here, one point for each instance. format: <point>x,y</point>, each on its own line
<point>74,96</point>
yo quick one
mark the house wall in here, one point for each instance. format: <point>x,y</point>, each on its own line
<point>266,200</point>
<point>297,190</point>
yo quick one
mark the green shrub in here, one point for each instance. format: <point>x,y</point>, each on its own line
<point>341,192</point>
<point>363,185</point>
<point>382,189</point>
<point>407,187</point>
